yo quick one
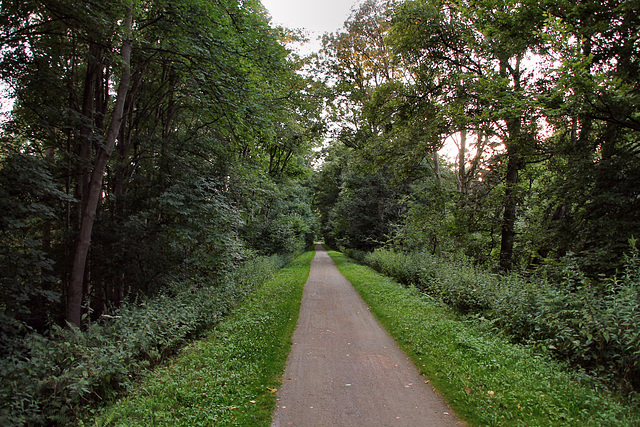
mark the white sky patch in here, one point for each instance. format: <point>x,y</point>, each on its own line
<point>6,102</point>
<point>313,16</point>
<point>450,149</point>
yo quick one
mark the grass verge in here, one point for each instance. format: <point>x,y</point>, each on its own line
<point>229,378</point>
<point>486,379</point>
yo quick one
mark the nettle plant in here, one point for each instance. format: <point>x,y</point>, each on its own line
<point>588,324</point>
<point>53,378</point>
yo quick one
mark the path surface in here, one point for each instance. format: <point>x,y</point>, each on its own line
<point>345,370</point>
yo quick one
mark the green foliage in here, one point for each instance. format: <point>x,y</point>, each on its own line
<point>538,190</point>
<point>27,285</point>
<point>54,378</point>
<point>485,378</point>
<point>326,187</point>
<point>358,207</point>
<point>27,201</point>
<point>214,144</point>
<point>364,211</point>
<point>586,325</point>
<point>229,378</point>
<point>287,223</point>
<point>215,100</point>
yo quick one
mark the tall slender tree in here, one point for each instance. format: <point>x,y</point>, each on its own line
<point>90,201</point>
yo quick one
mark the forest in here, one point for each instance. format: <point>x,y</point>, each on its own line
<point>162,158</point>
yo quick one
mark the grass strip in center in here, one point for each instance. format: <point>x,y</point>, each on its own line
<point>231,377</point>
<point>485,378</point>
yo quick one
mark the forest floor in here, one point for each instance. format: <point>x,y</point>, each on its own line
<point>345,369</point>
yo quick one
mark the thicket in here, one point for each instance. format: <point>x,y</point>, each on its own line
<point>591,325</point>
<point>54,377</point>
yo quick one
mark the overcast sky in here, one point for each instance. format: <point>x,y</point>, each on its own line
<point>315,16</point>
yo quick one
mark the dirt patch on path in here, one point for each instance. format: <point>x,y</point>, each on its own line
<point>345,370</point>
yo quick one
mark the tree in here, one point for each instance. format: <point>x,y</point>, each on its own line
<point>354,63</point>
<point>87,218</point>
<point>592,102</point>
<point>473,53</point>
<point>358,207</point>
<point>28,198</point>
<point>158,170</point>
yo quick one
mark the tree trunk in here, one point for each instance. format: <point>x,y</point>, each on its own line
<point>124,168</point>
<point>436,168</point>
<point>509,214</point>
<point>91,82</point>
<point>462,174</point>
<point>514,164</point>
<point>48,224</point>
<point>74,292</point>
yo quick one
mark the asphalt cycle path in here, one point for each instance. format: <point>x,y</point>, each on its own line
<point>344,369</point>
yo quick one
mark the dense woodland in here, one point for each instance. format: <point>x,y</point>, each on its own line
<point>164,156</point>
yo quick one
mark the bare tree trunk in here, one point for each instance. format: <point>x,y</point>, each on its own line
<point>75,290</point>
<point>462,154</point>
<point>509,214</point>
<point>436,168</point>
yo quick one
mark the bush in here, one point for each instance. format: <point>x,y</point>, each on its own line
<point>355,254</point>
<point>408,268</point>
<point>51,379</point>
<point>593,326</point>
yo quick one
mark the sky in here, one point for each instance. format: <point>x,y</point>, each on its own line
<point>319,17</point>
<point>314,16</point>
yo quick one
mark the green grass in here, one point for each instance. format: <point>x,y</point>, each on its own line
<point>486,379</point>
<point>230,377</point>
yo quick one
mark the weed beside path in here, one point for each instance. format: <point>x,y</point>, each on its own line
<point>486,379</point>
<point>231,377</point>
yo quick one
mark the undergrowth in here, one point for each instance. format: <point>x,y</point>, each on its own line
<point>54,379</point>
<point>487,379</point>
<point>590,325</point>
<point>231,377</point>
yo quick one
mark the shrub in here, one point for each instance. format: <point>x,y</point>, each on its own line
<point>355,254</point>
<point>51,379</point>
<point>408,268</point>
<point>593,326</point>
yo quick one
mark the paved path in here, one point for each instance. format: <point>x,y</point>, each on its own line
<point>345,370</point>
